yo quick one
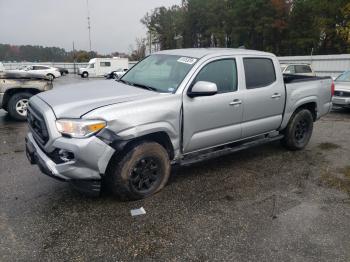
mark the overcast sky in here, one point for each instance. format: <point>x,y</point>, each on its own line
<point>114,23</point>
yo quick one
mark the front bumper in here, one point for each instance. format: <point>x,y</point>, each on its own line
<point>342,101</point>
<point>91,157</point>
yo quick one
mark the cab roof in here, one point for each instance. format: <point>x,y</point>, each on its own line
<point>202,52</point>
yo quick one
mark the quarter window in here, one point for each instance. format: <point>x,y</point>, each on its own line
<point>223,73</point>
<point>259,72</point>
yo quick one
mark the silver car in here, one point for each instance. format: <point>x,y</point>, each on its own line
<point>342,90</point>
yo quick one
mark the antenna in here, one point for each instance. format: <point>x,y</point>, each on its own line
<point>89,25</point>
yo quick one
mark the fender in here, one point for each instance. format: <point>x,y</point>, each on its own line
<point>118,141</point>
<point>300,103</point>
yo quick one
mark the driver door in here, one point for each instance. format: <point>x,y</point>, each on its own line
<point>210,121</point>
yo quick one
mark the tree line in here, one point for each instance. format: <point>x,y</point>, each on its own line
<point>50,54</point>
<point>284,27</point>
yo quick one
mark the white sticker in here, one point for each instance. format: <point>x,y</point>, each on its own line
<point>187,60</point>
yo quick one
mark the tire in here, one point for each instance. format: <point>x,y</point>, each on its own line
<point>299,130</point>
<point>17,106</point>
<point>51,77</point>
<point>141,172</point>
<point>85,75</point>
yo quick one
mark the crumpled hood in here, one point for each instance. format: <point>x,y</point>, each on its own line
<point>345,86</point>
<point>73,101</point>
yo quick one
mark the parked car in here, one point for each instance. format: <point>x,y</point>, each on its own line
<point>41,70</point>
<point>101,66</point>
<point>342,90</point>
<point>116,74</point>
<point>297,69</point>
<point>174,107</point>
<point>63,71</point>
<point>17,88</point>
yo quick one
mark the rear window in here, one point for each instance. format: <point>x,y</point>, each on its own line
<point>259,72</point>
<point>299,69</point>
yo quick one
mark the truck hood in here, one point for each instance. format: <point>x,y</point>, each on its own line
<point>74,101</point>
<point>345,86</point>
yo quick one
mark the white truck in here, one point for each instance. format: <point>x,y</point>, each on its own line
<point>98,67</point>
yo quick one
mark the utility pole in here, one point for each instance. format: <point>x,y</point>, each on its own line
<point>74,67</point>
<point>89,25</point>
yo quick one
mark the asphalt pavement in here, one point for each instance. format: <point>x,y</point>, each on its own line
<point>262,204</point>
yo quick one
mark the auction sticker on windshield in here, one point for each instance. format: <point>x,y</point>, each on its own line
<point>187,60</point>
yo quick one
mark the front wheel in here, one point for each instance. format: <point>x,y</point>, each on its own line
<point>17,106</point>
<point>141,172</point>
<point>85,75</point>
<point>299,130</point>
<point>51,77</point>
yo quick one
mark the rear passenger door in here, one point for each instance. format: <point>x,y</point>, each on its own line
<point>264,97</point>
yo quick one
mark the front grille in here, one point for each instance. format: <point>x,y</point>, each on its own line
<point>37,126</point>
<point>342,93</point>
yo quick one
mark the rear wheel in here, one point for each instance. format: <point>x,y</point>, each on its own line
<point>299,130</point>
<point>17,106</point>
<point>141,172</point>
<point>85,75</point>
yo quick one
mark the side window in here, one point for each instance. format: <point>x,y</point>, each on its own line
<point>105,64</point>
<point>302,69</point>
<point>223,73</point>
<point>259,72</point>
<point>291,69</point>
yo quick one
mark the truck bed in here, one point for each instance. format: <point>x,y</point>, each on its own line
<point>311,90</point>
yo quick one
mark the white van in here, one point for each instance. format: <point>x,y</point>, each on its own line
<point>100,66</point>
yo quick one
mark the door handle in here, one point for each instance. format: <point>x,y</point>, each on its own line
<point>235,102</point>
<point>276,95</point>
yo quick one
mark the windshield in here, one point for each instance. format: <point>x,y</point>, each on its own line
<point>344,77</point>
<point>162,73</point>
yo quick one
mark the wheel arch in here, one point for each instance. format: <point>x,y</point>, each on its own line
<point>309,103</point>
<point>123,145</point>
<point>10,92</point>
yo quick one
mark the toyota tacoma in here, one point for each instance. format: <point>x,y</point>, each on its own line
<point>175,107</point>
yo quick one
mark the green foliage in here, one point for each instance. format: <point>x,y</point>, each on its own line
<point>47,54</point>
<point>285,27</point>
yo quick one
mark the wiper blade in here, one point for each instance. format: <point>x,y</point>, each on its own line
<point>138,85</point>
<point>124,82</point>
<point>145,87</point>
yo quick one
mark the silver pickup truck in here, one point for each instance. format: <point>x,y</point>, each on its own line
<point>174,107</point>
<point>15,90</point>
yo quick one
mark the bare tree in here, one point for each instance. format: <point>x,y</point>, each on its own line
<point>140,51</point>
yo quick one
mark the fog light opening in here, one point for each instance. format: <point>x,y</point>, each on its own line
<point>65,155</point>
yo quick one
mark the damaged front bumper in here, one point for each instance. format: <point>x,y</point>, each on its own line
<point>88,161</point>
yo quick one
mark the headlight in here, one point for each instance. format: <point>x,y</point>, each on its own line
<point>79,128</point>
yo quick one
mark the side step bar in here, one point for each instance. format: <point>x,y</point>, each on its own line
<point>189,160</point>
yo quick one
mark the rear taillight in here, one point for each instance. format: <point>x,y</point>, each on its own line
<point>332,88</point>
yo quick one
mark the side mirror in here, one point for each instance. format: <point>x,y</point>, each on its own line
<point>203,88</point>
